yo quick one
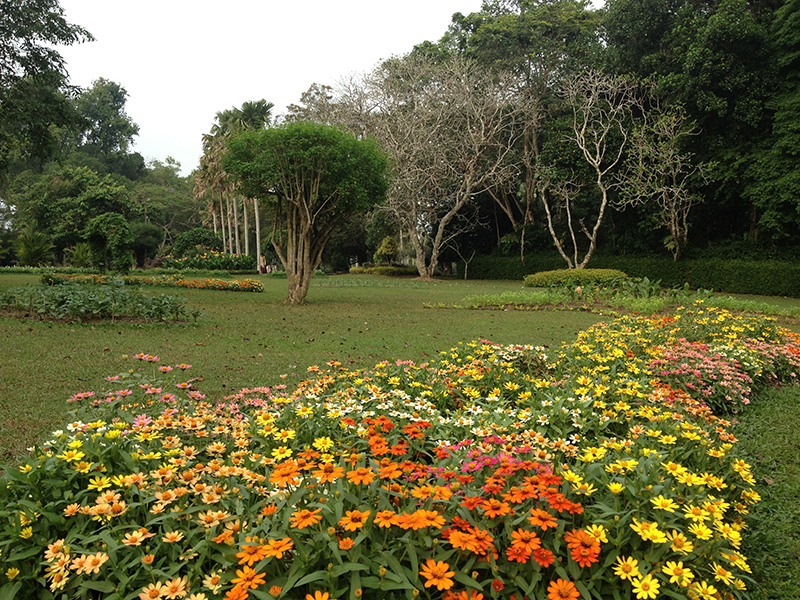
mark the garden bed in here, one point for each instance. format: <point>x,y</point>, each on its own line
<point>599,470</point>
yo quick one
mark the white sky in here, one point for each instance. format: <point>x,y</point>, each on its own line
<point>181,61</point>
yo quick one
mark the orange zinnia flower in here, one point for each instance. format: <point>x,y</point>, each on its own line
<point>328,472</point>
<point>525,539</point>
<point>519,554</point>
<point>542,519</point>
<point>354,519</point>
<point>436,574</point>
<point>277,548</point>
<point>247,578</point>
<point>346,543</point>
<point>386,518</point>
<point>361,475</point>
<point>305,518</point>
<point>544,557</point>
<point>251,554</point>
<point>562,589</point>
<point>495,508</point>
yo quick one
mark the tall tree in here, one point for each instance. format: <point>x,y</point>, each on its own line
<point>313,177</point>
<point>601,125</point>
<point>449,128</point>
<point>33,77</point>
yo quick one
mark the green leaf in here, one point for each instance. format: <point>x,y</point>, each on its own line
<point>340,570</point>
<point>99,586</point>
<point>9,590</point>
<point>315,576</point>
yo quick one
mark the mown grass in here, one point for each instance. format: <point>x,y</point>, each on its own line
<point>769,432</point>
<point>246,340</point>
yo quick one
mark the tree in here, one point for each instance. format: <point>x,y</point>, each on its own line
<point>105,127</point>
<point>33,78</point>
<point>33,248</point>
<point>601,124</point>
<point>252,116</point>
<point>659,169</point>
<point>313,177</point>
<point>449,128</point>
<point>63,200</point>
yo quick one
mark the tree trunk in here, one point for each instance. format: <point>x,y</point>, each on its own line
<point>230,226</point>
<point>246,231</point>
<point>258,231</point>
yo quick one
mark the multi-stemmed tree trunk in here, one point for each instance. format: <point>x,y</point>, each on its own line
<point>314,177</point>
<point>450,128</point>
<point>602,109</point>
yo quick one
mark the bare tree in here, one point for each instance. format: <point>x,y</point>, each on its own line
<point>449,128</point>
<point>658,169</point>
<point>602,109</point>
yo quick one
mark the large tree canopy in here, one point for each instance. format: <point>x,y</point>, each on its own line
<point>33,79</point>
<point>314,177</point>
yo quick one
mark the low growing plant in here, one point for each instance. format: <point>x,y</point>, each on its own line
<point>76,302</point>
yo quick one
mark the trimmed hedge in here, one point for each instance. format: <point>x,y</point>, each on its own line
<point>734,276</point>
<point>576,276</point>
<point>385,270</point>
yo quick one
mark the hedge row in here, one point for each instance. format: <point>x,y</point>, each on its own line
<point>767,277</point>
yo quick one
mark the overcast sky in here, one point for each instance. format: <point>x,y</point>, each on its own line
<point>181,61</point>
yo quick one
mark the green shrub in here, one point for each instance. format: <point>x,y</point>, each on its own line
<point>573,276</point>
<point>33,248</point>
<point>385,271</point>
<point>196,241</point>
<point>734,276</point>
<point>213,260</point>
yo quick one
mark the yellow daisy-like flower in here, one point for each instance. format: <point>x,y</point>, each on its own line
<point>677,573</point>
<point>99,483</point>
<point>615,488</point>
<point>663,503</point>
<point>646,588</point>
<point>700,531</point>
<point>626,568</point>
<point>680,543</point>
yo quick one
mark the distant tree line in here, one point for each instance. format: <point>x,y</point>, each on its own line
<point>531,126</point>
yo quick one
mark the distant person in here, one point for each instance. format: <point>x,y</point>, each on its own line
<point>262,264</point>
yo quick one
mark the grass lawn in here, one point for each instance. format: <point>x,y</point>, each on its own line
<point>249,339</point>
<point>246,340</point>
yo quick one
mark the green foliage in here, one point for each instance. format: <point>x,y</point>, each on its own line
<point>572,276</point>
<point>387,250</point>
<point>33,247</point>
<point>196,241</point>
<point>766,277</point>
<point>33,79</point>
<point>110,238</point>
<point>385,270</point>
<point>217,261</point>
<point>77,303</point>
<point>63,200</point>
<point>79,256</point>
<point>147,238</point>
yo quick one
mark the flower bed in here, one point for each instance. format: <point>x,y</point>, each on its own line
<point>495,472</point>
<point>212,260</point>
<point>230,285</point>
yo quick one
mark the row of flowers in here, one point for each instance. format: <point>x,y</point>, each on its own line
<point>229,285</point>
<point>606,469</point>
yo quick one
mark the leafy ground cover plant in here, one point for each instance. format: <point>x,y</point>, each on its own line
<point>491,471</point>
<point>232,285</point>
<point>110,301</point>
